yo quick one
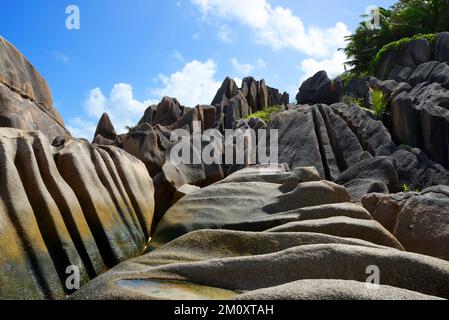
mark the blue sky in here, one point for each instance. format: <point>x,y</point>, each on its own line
<point>129,54</point>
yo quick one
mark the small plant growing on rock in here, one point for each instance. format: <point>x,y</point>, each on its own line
<point>264,114</point>
<point>379,102</point>
<point>350,101</point>
<point>407,188</point>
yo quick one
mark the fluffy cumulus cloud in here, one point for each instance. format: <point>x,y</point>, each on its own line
<point>280,28</point>
<point>121,105</point>
<point>246,69</point>
<point>277,26</point>
<point>194,84</point>
<point>334,66</point>
<point>241,68</point>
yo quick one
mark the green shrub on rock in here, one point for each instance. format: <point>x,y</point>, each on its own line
<point>398,46</point>
<point>264,114</point>
<point>379,102</point>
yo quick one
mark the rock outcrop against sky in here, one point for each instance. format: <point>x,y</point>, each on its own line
<point>350,190</point>
<point>25,96</point>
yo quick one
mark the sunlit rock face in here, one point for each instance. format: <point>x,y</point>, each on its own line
<point>25,98</point>
<point>67,204</point>
<point>267,233</point>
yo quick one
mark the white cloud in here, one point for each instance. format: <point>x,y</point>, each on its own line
<point>245,69</point>
<point>261,64</point>
<point>238,81</point>
<point>333,66</point>
<point>121,106</point>
<point>81,128</point>
<point>225,34</point>
<point>254,12</point>
<point>242,68</point>
<point>277,26</point>
<point>194,84</point>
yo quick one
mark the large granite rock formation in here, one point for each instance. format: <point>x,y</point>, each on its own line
<point>152,144</point>
<point>67,204</point>
<point>417,171</point>
<point>420,221</point>
<point>442,47</point>
<point>413,54</point>
<point>217,232</point>
<point>341,139</point>
<point>233,103</point>
<point>25,99</point>
<point>150,141</point>
<point>421,119</point>
<point>291,236</point>
<point>417,58</point>
<point>320,89</point>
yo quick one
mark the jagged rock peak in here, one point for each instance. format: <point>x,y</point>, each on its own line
<point>320,89</point>
<point>257,93</point>
<point>166,113</point>
<point>105,128</point>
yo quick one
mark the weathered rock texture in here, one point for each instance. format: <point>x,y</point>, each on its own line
<point>417,61</point>
<point>25,99</point>
<point>348,146</point>
<point>320,89</point>
<point>420,221</point>
<point>233,103</point>
<point>67,204</point>
<point>421,119</point>
<point>280,236</point>
<point>150,141</point>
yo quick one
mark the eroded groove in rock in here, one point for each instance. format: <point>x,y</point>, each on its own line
<point>345,144</point>
<point>66,206</point>
<point>372,135</point>
<point>421,119</point>
<point>327,154</point>
<point>69,207</point>
<point>49,220</point>
<point>344,227</point>
<point>113,236</point>
<point>137,182</point>
<point>298,144</point>
<point>120,201</point>
<point>30,262</point>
